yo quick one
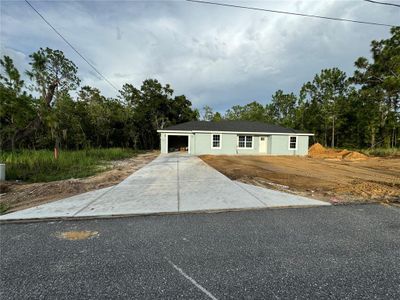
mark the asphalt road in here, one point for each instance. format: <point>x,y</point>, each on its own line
<point>326,252</point>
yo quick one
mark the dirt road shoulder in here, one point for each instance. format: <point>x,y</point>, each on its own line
<point>333,180</point>
<point>16,196</point>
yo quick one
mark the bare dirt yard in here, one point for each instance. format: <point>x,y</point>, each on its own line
<point>17,196</point>
<point>357,178</point>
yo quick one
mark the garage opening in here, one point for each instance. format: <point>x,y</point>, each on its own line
<point>178,143</point>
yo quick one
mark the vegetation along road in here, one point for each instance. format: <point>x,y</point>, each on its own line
<point>75,172</point>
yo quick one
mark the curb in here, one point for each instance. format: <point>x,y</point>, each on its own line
<point>120,216</point>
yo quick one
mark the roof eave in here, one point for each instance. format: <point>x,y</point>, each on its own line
<point>239,132</point>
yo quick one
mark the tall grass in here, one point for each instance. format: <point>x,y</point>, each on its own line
<point>382,152</point>
<point>40,166</point>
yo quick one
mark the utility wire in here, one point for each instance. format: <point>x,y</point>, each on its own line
<point>72,47</point>
<point>383,3</point>
<point>292,13</point>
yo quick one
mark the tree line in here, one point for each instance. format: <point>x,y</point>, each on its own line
<point>357,111</point>
<point>54,118</point>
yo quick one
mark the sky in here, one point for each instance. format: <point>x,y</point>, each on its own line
<point>216,56</point>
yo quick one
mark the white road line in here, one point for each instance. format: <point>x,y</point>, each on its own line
<point>177,184</point>
<point>192,280</point>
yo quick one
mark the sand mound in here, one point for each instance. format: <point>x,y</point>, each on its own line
<point>353,155</point>
<point>344,152</point>
<point>317,150</point>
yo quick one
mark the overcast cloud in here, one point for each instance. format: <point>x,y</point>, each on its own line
<point>214,55</point>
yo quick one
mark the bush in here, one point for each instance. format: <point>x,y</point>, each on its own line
<point>382,152</point>
<point>40,166</point>
<point>3,207</point>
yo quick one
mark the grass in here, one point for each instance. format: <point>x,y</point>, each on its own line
<point>379,152</point>
<point>40,166</point>
<point>3,208</point>
<point>382,152</point>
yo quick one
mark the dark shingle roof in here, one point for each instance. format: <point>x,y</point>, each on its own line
<point>234,126</point>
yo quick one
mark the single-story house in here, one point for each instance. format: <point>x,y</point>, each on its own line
<point>233,137</point>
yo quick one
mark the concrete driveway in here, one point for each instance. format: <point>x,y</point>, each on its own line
<point>169,184</point>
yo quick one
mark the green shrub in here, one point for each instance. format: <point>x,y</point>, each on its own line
<point>382,152</point>
<point>40,166</point>
<point>3,207</point>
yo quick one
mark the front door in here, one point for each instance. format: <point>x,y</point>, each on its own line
<point>263,144</point>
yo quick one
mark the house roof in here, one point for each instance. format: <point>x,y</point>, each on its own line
<point>232,126</point>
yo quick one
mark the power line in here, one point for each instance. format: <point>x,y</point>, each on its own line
<point>291,13</point>
<point>383,3</point>
<point>72,47</point>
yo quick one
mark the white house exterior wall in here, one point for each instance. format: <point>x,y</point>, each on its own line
<point>200,143</point>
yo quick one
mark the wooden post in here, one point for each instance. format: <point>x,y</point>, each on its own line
<point>57,148</point>
<point>55,153</point>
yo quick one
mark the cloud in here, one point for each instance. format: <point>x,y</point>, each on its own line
<point>215,55</point>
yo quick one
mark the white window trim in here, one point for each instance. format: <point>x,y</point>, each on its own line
<point>245,135</point>
<point>297,141</point>
<point>220,140</point>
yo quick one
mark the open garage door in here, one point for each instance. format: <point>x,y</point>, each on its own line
<point>178,143</point>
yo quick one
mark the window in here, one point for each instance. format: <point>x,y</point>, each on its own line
<point>292,142</point>
<point>245,141</point>
<point>216,141</point>
<point>242,141</point>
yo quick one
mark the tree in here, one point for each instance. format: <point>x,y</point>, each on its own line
<point>154,107</point>
<point>252,111</point>
<point>16,107</point>
<point>98,117</point>
<point>11,78</point>
<point>181,110</point>
<point>52,72</point>
<point>68,117</point>
<point>150,106</point>
<point>217,117</point>
<point>325,92</point>
<point>234,113</point>
<point>283,108</point>
<point>380,88</point>
<point>207,113</point>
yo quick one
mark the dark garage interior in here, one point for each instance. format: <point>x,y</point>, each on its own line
<point>178,143</point>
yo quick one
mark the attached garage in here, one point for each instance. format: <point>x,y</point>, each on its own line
<point>233,138</point>
<point>177,142</point>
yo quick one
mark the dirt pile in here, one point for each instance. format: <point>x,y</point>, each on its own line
<point>319,151</point>
<point>333,180</point>
<point>316,149</point>
<point>355,155</point>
